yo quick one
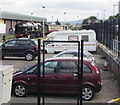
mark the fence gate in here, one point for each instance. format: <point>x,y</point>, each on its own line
<point>51,79</point>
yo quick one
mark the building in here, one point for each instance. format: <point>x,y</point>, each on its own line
<point>11,19</point>
<point>53,27</point>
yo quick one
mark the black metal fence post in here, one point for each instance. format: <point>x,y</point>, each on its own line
<point>110,35</point>
<point>107,34</point>
<point>39,73</point>
<point>119,37</point>
<point>101,31</point>
<point>81,73</point>
<point>79,93</point>
<point>43,92</point>
<point>104,32</point>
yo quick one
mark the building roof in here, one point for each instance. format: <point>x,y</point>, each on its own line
<point>18,16</point>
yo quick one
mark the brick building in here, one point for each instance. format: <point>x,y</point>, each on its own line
<point>10,19</point>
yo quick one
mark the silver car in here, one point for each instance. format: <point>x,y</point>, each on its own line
<point>74,53</point>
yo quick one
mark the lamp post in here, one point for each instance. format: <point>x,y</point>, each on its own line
<point>98,15</point>
<point>31,17</point>
<point>114,8</point>
<point>43,22</point>
<point>77,22</point>
<point>104,14</point>
<point>64,19</point>
<point>52,20</point>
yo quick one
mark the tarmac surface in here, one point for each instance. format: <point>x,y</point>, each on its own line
<point>108,92</point>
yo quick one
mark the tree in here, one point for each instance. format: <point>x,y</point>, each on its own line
<point>57,22</point>
<point>90,20</point>
<point>85,21</point>
<point>115,16</point>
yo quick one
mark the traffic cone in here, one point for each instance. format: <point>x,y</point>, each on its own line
<point>105,66</point>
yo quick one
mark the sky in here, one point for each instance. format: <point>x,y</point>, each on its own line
<point>63,10</point>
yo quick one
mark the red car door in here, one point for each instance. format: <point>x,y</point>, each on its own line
<point>31,78</point>
<point>65,81</point>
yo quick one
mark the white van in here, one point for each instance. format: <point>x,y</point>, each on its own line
<point>88,36</point>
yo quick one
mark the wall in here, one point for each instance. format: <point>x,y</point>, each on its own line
<point>1,21</point>
<point>114,62</point>
<point>7,26</point>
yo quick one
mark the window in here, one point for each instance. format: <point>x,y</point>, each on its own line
<point>86,69</point>
<point>10,43</point>
<point>72,38</point>
<point>85,38</point>
<point>49,39</point>
<point>67,67</point>
<point>32,70</point>
<point>23,42</point>
<point>49,67</point>
<point>68,55</point>
<point>71,67</point>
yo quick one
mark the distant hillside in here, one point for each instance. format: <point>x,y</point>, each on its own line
<point>75,22</point>
<point>71,22</point>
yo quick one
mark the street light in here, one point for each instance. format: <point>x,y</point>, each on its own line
<point>77,22</point>
<point>52,20</point>
<point>31,17</point>
<point>64,19</point>
<point>104,14</point>
<point>98,15</point>
<point>43,22</point>
<point>114,8</point>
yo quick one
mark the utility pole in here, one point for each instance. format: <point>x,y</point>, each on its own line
<point>64,19</point>
<point>104,14</point>
<point>31,17</point>
<point>43,22</point>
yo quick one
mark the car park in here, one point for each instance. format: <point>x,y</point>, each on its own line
<point>74,53</point>
<point>59,78</point>
<point>21,47</point>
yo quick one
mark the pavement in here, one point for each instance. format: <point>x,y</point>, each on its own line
<point>108,92</point>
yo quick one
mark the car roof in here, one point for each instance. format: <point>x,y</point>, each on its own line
<point>85,52</point>
<point>23,39</point>
<point>67,58</point>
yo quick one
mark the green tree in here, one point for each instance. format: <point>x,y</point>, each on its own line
<point>85,21</point>
<point>57,22</point>
<point>90,20</point>
<point>115,16</point>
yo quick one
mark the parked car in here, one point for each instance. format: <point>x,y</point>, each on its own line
<point>74,53</point>
<point>21,47</point>
<point>59,78</point>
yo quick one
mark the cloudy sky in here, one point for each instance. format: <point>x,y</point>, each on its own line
<point>54,9</point>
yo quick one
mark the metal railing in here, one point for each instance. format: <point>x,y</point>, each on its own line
<point>108,33</point>
<point>116,50</point>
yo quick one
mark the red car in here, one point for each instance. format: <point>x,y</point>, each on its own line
<point>59,78</point>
